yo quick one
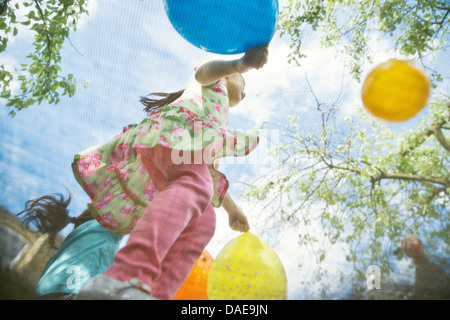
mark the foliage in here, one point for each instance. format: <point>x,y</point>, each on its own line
<point>40,78</point>
<point>356,181</point>
<point>417,27</point>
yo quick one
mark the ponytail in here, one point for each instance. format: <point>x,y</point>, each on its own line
<point>49,214</point>
<point>152,104</point>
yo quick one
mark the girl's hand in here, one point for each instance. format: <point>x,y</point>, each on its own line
<point>238,221</point>
<point>254,58</point>
<point>236,218</point>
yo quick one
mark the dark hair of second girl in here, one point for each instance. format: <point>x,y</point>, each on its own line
<point>49,214</point>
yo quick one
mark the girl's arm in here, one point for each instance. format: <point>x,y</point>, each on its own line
<point>236,218</point>
<point>213,71</point>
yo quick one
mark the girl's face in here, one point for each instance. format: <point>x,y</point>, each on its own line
<point>235,85</point>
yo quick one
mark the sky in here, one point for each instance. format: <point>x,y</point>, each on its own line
<point>127,49</point>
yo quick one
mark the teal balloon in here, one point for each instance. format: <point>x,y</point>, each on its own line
<point>226,26</point>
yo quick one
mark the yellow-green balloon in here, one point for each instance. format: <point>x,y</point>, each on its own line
<point>247,268</point>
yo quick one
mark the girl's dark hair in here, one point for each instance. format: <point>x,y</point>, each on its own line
<point>49,214</point>
<point>152,104</point>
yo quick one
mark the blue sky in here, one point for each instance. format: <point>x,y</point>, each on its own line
<point>126,49</point>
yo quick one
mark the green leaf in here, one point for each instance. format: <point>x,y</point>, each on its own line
<point>41,72</point>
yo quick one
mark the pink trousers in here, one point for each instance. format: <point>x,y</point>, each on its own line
<point>173,230</point>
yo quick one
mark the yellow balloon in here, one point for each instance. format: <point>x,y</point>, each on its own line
<point>395,90</point>
<point>247,268</point>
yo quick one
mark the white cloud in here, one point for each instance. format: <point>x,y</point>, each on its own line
<point>92,7</point>
<point>24,32</point>
<point>267,87</point>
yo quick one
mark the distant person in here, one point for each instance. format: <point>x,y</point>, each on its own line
<point>432,282</point>
<point>157,180</point>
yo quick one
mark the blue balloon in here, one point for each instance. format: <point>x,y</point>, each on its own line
<point>224,26</point>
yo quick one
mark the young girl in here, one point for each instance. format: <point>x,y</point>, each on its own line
<point>157,181</point>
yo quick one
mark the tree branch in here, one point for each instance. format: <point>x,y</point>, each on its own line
<point>431,197</point>
<point>442,22</point>
<point>435,130</point>
<point>393,176</point>
<point>411,177</point>
<point>49,41</point>
<point>441,138</point>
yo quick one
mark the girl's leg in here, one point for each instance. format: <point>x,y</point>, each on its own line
<point>183,254</point>
<point>171,216</point>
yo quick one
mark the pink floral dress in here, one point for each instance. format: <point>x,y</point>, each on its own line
<point>114,177</point>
